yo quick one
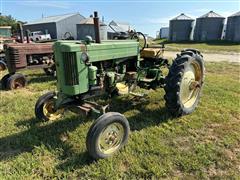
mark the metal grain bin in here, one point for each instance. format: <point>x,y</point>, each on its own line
<point>180,28</point>
<point>103,31</point>
<point>86,28</point>
<point>233,28</point>
<point>209,27</point>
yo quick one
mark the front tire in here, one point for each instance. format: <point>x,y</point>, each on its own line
<point>4,81</point>
<point>44,108</point>
<point>107,135</point>
<point>184,83</point>
<point>3,65</point>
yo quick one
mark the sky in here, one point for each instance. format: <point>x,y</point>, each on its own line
<point>145,16</point>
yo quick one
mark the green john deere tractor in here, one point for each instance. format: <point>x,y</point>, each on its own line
<point>87,70</point>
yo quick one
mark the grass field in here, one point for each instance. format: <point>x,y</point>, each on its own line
<point>205,144</point>
<point>215,46</point>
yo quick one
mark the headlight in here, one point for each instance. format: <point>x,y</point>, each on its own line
<point>84,57</point>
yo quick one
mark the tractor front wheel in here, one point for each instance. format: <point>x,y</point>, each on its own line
<point>107,135</point>
<point>184,83</point>
<point>4,81</point>
<point>44,108</point>
<point>3,65</point>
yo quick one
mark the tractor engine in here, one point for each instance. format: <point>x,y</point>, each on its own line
<point>20,56</point>
<point>91,68</point>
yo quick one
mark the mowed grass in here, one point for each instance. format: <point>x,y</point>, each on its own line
<point>214,46</point>
<point>205,144</point>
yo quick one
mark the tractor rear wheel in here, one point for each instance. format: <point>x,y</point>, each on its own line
<point>16,81</point>
<point>184,83</point>
<point>107,135</point>
<point>44,108</point>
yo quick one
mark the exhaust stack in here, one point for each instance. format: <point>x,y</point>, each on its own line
<point>96,27</point>
<point>27,35</point>
<point>21,32</point>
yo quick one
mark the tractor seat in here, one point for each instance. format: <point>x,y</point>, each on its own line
<point>151,53</point>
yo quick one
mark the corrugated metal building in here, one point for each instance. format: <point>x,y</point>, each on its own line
<point>180,28</point>
<point>233,28</point>
<point>103,31</point>
<point>86,28</point>
<point>209,27</point>
<point>164,32</point>
<point>56,26</point>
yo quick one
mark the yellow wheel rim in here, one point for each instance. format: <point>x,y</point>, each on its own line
<point>190,85</point>
<point>110,138</point>
<point>49,111</point>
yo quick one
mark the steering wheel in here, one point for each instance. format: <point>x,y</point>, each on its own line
<point>141,39</point>
<point>68,36</point>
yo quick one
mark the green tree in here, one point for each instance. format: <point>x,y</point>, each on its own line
<point>9,21</point>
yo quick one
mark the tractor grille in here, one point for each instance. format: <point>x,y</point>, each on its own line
<point>13,56</point>
<point>70,68</point>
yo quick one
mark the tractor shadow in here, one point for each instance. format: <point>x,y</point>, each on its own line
<point>33,78</point>
<point>143,119</point>
<point>39,78</point>
<point>50,134</point>
<point>145,116</point>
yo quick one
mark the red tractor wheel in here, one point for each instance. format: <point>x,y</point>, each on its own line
<point>16,81</point>
<point>3,65</point>
<point>4,81</point>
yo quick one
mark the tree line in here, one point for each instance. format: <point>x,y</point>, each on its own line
<point>9,21</point>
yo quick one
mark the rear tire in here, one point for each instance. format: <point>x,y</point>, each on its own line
<point>16,81</point>
<point>184,83</point>
<point>107,135</point>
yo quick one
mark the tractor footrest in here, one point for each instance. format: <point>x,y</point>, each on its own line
<point>88,107</point>
<point>84,109</point>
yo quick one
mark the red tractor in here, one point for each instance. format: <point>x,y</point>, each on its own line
<point>22,55</point>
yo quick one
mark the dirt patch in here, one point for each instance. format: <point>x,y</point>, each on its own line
<point>211,57</point>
